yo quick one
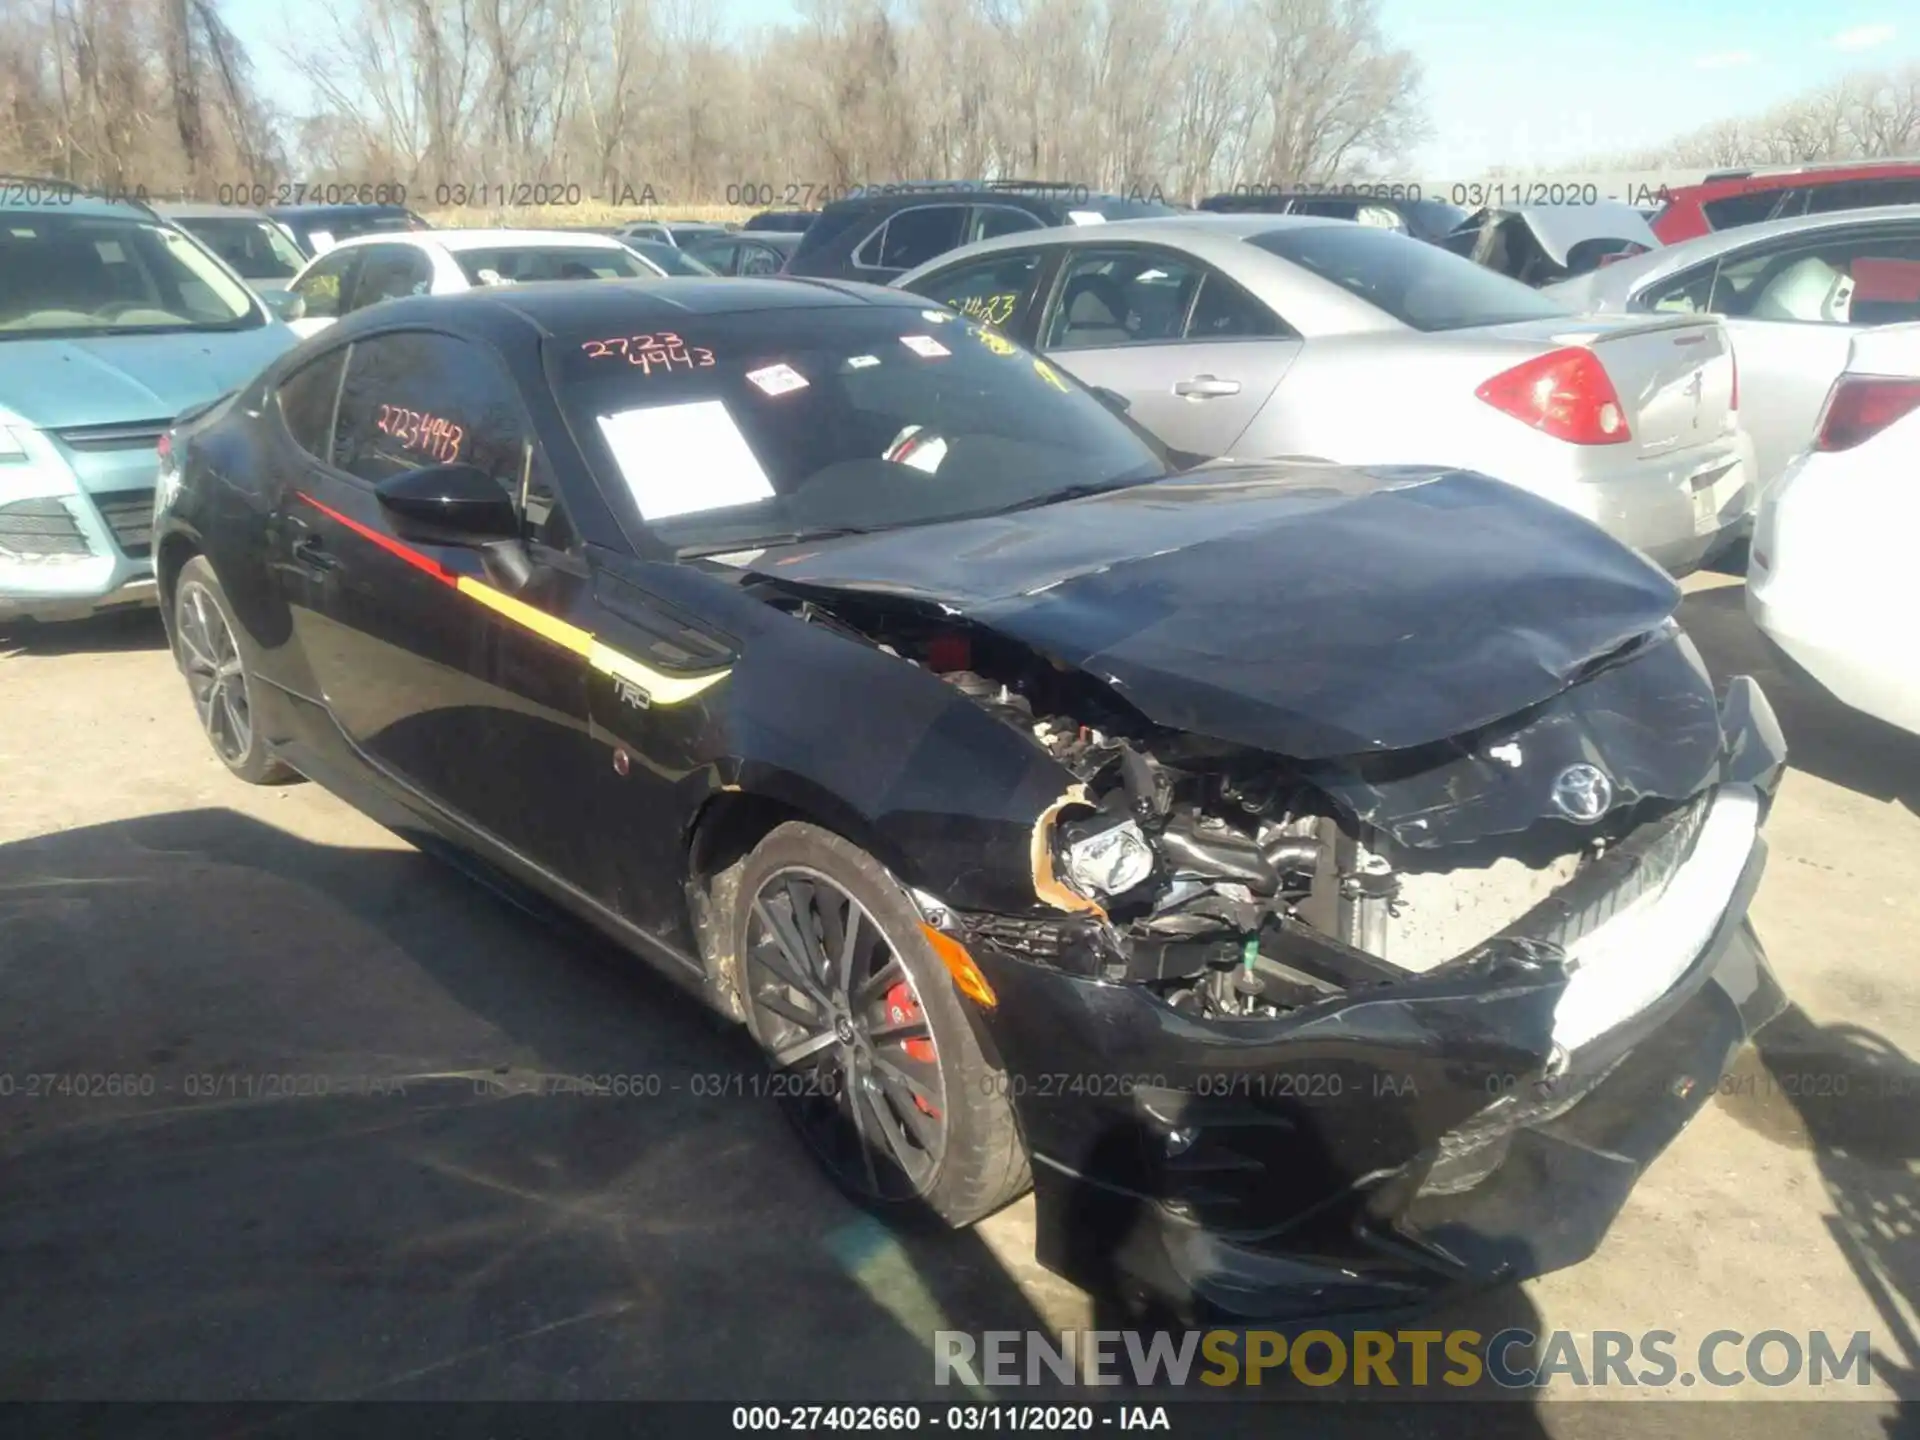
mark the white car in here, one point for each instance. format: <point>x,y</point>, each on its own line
<point>1829,579</point>
<point>367,269</point>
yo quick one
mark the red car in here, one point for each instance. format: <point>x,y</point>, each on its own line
<point>1730,198</point>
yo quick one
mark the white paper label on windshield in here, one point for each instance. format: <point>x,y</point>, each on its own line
<point>322,240</point>
<point>777,379</point>
<point>861,362</point>
<point>684,459</point>
<point>937,317</point>
<point>110,251</point>
<point>924,345</point>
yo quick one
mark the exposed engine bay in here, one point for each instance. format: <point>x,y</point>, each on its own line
<point>1197,867</point>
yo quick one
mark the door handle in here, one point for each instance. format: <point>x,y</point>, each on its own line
<point>310,552</point>
<point>1206,387</point>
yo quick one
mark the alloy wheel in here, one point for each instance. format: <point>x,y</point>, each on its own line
<point>842,1019</point>
<point>215,673</point>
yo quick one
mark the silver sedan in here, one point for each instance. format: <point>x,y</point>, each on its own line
<point>1260,336</point>
<point>1793,294</point>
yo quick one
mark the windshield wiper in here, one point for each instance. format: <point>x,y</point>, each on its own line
<point>767,542</point>
<point>1069,492</point>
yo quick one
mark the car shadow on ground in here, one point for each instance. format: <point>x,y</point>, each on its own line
<point>135,628</point>
<point>1853,1098</point>
<point>273,1126</point>
<point>1824,737</point>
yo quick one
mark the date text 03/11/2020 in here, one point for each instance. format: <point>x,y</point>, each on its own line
<point>959,1419</point>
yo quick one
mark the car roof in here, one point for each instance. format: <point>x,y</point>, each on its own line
<point>310,212</point>
<point>1779,177</point>
<point>1624,275</point>
<point>65,199</point>
<point>645,305</point>
<point>1165,229</point>
<point>206,210</point>
<point>458,240</point>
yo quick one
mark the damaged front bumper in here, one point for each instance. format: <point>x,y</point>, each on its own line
<point>1472,1125</point>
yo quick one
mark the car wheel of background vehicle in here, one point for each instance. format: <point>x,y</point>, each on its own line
<point>214,654</point>
<point>878,1066</point>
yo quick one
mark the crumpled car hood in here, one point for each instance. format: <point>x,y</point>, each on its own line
<point>1305,609</point>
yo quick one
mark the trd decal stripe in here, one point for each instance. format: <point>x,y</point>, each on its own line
<point>391,546</point>
<point>569,637</point>
<point>661,688</point>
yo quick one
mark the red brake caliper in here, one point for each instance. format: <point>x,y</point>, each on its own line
<point>902,1010</point>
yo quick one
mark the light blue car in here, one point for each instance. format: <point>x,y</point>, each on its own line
<point>112,322</point>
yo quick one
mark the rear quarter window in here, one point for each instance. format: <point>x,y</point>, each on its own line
<point>1422,286</point>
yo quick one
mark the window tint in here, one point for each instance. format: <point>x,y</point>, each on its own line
<point>256,249</point>
<point>1863,194</point>
<point>788,421</point>
<point>996,290</point>
<point>329,282</point>
<point>991,220</point>
<point>1747,209</point>
<point>388,272</point>
<point>306,400</point>
<point>1845,280</point>
<point>1225,311</point>
<point>413,399</point>
<point>1420,285</point>
<point>913,237</point>
<point>758,260</point>
<point>1122,297</point>
<point>1332,209</point>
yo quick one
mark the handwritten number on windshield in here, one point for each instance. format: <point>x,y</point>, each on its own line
<point>663,351</point>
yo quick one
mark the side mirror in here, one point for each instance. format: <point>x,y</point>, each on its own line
<point>454,504</point>
<point>284,305</point>
<point>1112,399</point>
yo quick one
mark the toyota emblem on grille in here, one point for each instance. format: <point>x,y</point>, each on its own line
<point>1582,793</point>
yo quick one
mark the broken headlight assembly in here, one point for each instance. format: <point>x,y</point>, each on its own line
<point>1104,855</point>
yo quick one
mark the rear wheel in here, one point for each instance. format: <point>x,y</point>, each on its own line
<point>216,657</point>
<point>877,1064</point>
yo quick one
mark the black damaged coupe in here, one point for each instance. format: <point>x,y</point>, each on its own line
<point>1327,889</point>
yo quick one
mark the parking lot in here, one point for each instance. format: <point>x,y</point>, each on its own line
<point>328,1180</point>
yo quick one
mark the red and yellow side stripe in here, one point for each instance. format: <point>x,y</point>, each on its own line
<point>661,688</point>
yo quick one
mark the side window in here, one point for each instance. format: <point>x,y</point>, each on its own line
<point>306,399</point>
<point>1122,297</point>
<point>758,260</point>
<point>913,237</point>
<point>1864,194</point>
<point>388,272</point>
<point>996,290</point>
<point>1852,279</point>
<point>413,398</point>
<point>992,220</point>
<point>1687,293</point>
<point>1331,209</point>
<point>1749,208</point>
<point>1225,311</point>
<point>327,284</point>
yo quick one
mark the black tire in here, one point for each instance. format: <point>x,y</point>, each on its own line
<point>981,1164</point>
<point>217,657</point>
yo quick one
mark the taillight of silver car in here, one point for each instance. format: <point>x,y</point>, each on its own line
<point>1859,407</point>
<point>1566,394</point>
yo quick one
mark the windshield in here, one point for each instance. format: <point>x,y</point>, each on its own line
<point>529,264</point>
<point>87,274</point>
<point>745,429</point>
<point>670,258</point>
<point>256,249</point>
<point>1420,285</point>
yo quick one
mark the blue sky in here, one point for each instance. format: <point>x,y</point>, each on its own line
<point>1521,85</point>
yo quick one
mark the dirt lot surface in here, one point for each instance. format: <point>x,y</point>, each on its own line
<point>226,1232</point>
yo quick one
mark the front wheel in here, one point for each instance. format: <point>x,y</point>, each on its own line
<point>878,1066</point>
<point>214,655</point>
